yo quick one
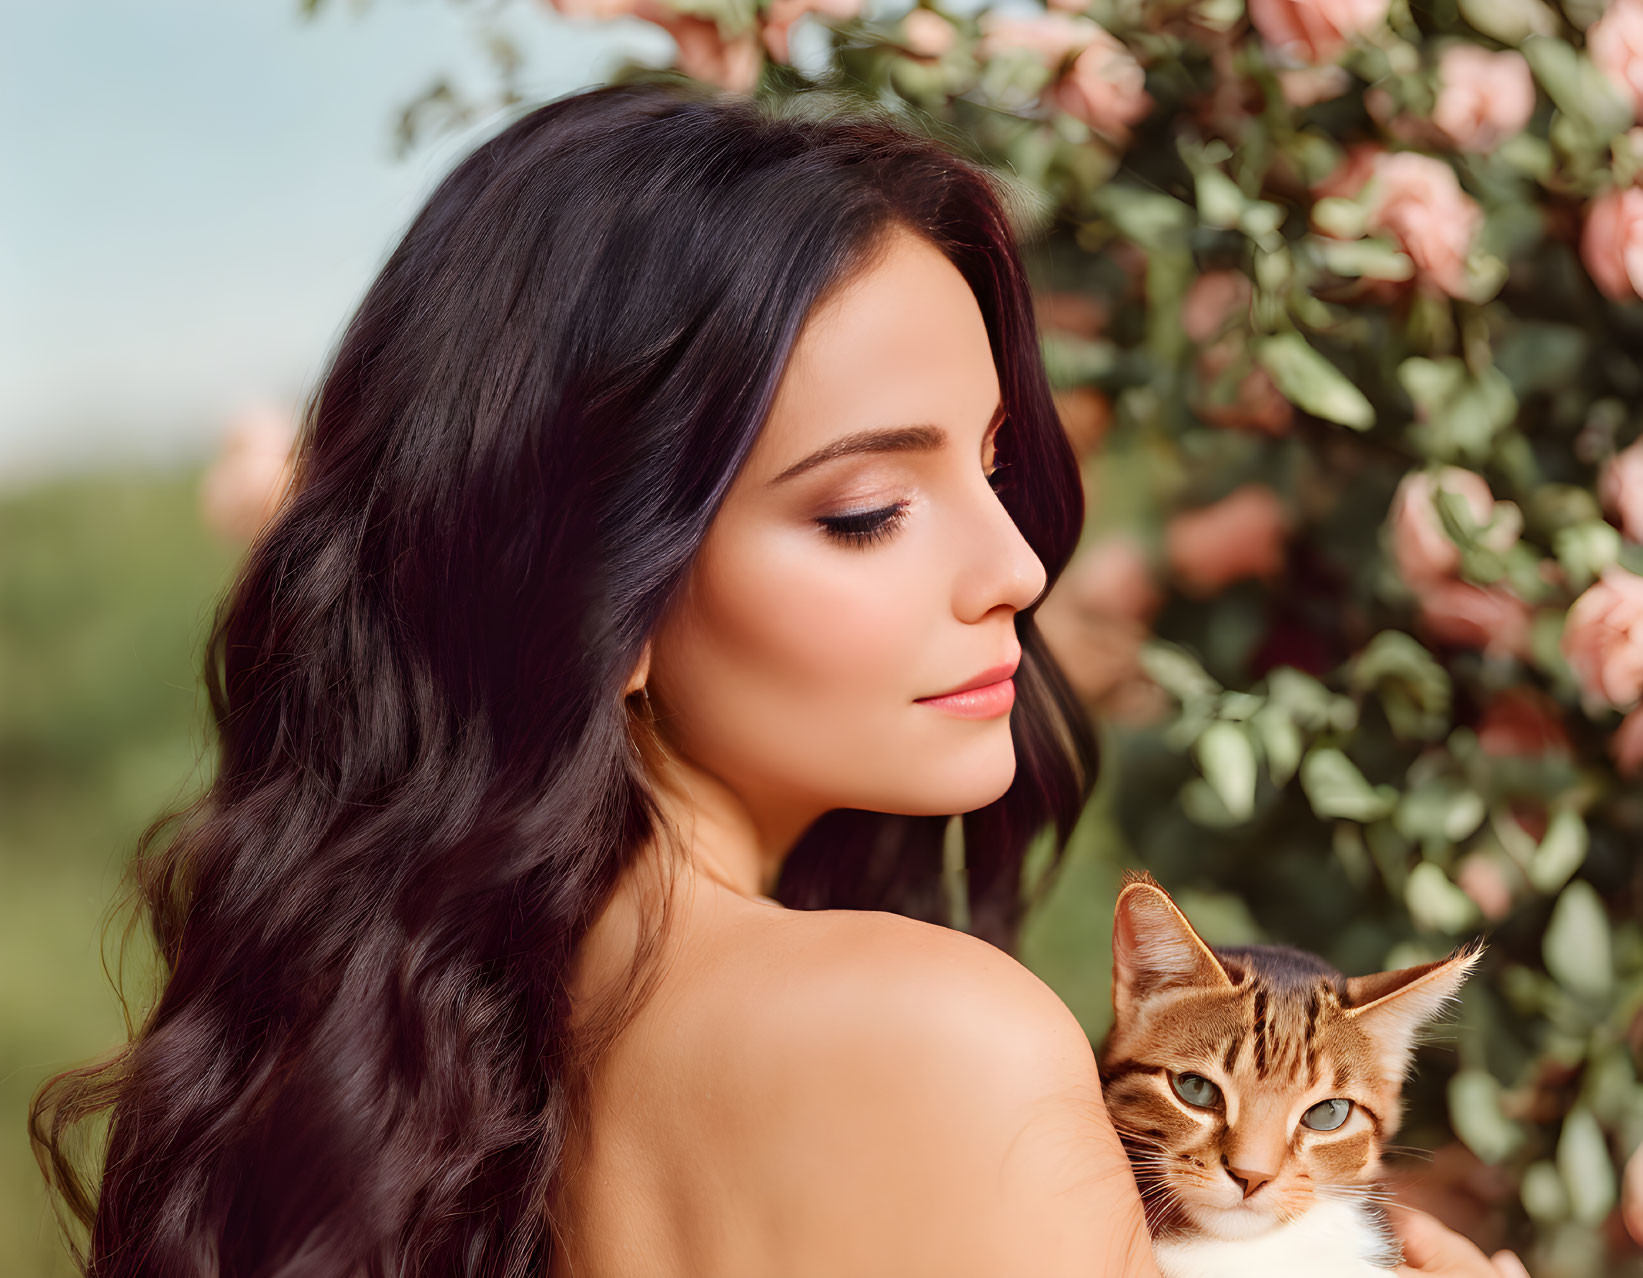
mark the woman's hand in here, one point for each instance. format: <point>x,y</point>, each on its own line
<point>1433,1250</point>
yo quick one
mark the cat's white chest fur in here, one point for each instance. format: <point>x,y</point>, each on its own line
<point>1337,1239</point>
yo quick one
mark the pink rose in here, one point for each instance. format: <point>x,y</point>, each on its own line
<point>1113,577</point>
<point>1421,548</point>
<point>245,485</point>
<point>1522,721</point>
<point>782,14</point>
<point>1085,414</point>
<point>1419,200</point>
<point>1620,486</point>
<point>1105,87</point>
<point>1348,177</point>
<point>1240,536</point>
<point>704,51</point>
<point>1483,97</point>
<point>1490,618</point>
<point>1631,1196</point>
<point>1479,876</point>
<point>1626,748</point>
<point>1603,637</point>
<point>1611,243</point>
<point>1305,86</point>
<point>926,34</point>
<point>1051,35</point>
<point>1314,31</point>
<point>1095,621</point>
<point>1211,300</point>
<point>598,10</point>
<point>1615,45</point>
<point>1072,311</point>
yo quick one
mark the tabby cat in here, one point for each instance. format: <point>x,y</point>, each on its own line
<point>1254,1088</point>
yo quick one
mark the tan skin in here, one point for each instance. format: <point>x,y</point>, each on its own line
<point>831,1092</point>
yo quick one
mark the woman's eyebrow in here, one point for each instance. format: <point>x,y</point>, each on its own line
<point>922,437</point>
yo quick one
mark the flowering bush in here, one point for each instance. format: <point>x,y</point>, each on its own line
<point>1341,301</point>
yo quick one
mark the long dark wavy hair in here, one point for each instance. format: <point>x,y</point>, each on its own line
<point>427,777</point>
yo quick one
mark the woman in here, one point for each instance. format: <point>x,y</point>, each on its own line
<point>567,900</point>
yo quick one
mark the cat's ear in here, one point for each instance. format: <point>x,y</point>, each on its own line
<point>1155,948</point>
<point>1391,1006</point>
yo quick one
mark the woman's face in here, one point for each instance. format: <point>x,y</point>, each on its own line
<point>830,595</point>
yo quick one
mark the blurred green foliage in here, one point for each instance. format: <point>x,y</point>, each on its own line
<point>106,583</point>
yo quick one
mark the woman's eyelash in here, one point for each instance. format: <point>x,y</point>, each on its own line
<point>864,527</point>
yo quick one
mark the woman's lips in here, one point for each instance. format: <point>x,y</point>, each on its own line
<point>986,702</point>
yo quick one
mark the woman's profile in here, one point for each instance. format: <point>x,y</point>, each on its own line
<point>568,898</point>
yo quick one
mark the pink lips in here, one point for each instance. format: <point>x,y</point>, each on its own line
<point>989,694</point>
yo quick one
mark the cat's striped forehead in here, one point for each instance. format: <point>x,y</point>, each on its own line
<point>1280,1022</point>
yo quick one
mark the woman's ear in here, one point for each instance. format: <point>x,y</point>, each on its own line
<point>641,672</point>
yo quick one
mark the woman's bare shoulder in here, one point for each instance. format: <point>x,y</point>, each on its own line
<point>921,1102</point>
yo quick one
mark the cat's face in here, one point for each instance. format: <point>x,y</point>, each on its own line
<point>1246,1083</point>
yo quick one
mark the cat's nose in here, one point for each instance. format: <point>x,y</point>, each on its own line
<point>1249,1180</point>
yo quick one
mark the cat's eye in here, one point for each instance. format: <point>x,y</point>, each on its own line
<point>1327,1115</point>
<point>1195,1089</point>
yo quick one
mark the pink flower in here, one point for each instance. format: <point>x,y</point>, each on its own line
<point>1483,97</point>
<point>1480,877</point>
<point>1105,87</point>
<point>1626,746</point>
<point>1421,548</point>
<point>1313,31</point>
<point>704,51</point>
<point>1348,177</point>
<point>1240,536</point>
<point>1051,35</point>
<point>1113,577</point>
<point>1419,200</point>
<point>1490,618</point>
<point>926,34</point>
<point>1631,1196</point>
<point>1615,45</point>
<point>1211,300</point>
<point>244,486</point>
<point>1522,721</point>
<point>1603,637</point>
<point>1611,244</point>
<point>1095,620</point>
<point>782,14</point>
<point>1620,486</point>
<point>598,10</point>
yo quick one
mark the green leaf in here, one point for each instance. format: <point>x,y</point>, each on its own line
<point>1413,687</point>
<point>1280,740</point>
<point>1176,671</point>
<point>1509,23</point>
<point>1560,852</point>
<point>1584,1164</point>
<point>1576,945</point>
<point>1537,355</point>
<point>1543,1194</point>
<point>1227,758</point>
<point>1373,259</point>
<point>1335,788</point>
<point>1577,87</point>
<point>1150,218</point>
<point>1479,1117</point>
<point>1309,381</point>
<point>1437,904</point>
<point>1220,202</point>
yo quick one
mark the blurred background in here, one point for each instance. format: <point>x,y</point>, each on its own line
<point>1341,302</point>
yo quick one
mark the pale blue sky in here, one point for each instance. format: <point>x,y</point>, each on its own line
<point>197,193</point>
